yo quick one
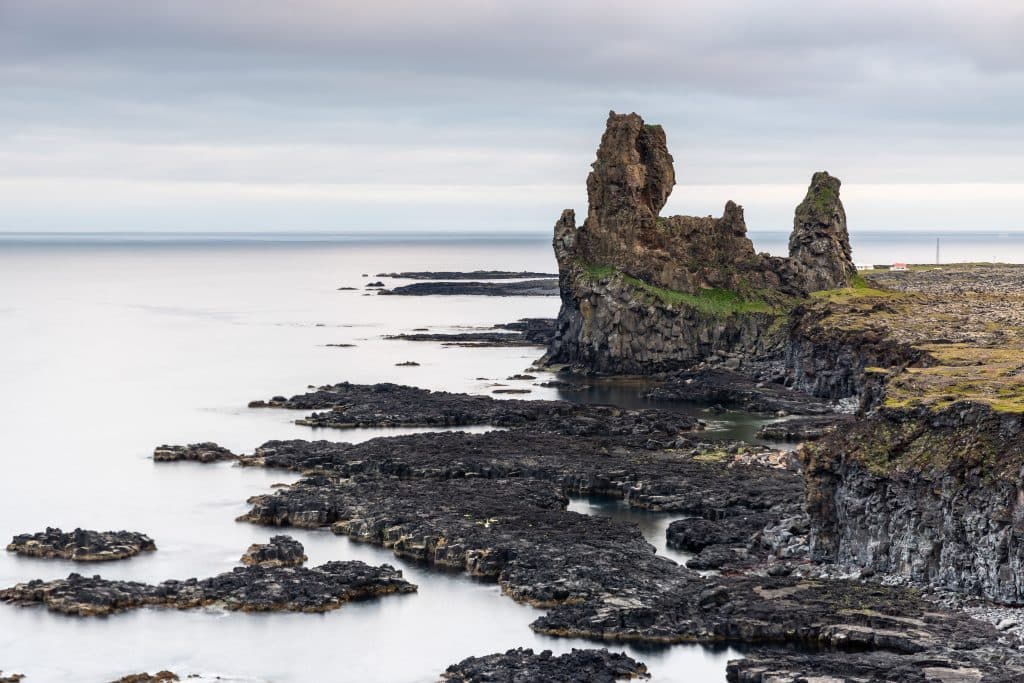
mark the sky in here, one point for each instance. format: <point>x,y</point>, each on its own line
<point>383,115</point>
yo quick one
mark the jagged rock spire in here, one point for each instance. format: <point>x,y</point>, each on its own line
<point>820,242</point>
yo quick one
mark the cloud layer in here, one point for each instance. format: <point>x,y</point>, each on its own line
<point>317,115</point>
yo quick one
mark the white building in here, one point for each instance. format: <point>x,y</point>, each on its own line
<point>899,266</point>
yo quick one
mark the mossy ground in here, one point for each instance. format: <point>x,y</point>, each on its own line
<point>968,324</point>
<point>715,302</point>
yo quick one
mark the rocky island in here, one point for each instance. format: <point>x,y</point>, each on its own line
<point>82,545</point>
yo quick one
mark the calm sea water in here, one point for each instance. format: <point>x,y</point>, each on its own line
<point>110,346</point>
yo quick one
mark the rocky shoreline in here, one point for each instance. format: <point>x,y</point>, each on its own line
<point>511,288</point>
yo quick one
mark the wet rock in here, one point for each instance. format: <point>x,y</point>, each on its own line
<point>713,557</point>
<point>340,346</point>
<point>10,678</point>
<point>735,390</point>
<point>408,364</point>
<point>806,428</point>
<point>471,275</point>
<point>694,533</point>
<point>247,589</point>
<point>392,405</point>
<point>524,332</point>
<point>158,677</point>
<point>524,666</point>
<point>281,551</point>
<point>512,288</point>
<point>81,545</point>
<point>205,452</point>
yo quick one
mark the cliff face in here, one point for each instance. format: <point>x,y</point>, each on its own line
<point>642,293</point>
<point>934,497</point>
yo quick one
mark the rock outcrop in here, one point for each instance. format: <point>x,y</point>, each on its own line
<point>81,545</point>
<point>521,665</point>
<point>281,551</point>
<point>644,294</point>
<point>205,452</point>
<point>820,243</point>
<point>246,589</point>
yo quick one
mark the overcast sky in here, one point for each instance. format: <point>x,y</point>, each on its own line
<point>307,115</point>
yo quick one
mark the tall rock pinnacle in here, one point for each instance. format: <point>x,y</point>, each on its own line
<point>644,293</point>
<point>820,243</point>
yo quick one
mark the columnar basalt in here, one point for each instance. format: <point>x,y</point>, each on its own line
<point>642,293</point>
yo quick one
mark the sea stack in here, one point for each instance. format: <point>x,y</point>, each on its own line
<point>642,293</point>
<point>820,243</point>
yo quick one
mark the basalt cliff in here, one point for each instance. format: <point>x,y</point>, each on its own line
<point>643,293</point>
<point>925,484</point>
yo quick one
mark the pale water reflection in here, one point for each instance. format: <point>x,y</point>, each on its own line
<point>108,351</point>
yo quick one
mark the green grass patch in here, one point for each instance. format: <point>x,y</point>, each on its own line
<point>714,301</point>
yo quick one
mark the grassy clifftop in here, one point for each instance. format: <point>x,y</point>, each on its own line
<point>967,319</point>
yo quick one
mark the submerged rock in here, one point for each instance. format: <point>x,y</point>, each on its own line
<point>511,288</point>
<point>281,551</point>
<point>392,405</point>
<point>525,332</point>
<point>471,275</point>
<point>247,589</point>
<point>82,545</point>
<point>205,452</point>
<point>524,666</point>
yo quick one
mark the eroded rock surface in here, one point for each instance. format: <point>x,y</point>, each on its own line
<point>470,275</point>
<point>525,666</point>
<point>205,452</point>
<point>392,405</point>
<point>820,243</point>
<point>510,288</point>
<point>247,589</point>
<point>645,294</point>
<point>81,545</point>
<point>281,551</point>
<point>158,677</point>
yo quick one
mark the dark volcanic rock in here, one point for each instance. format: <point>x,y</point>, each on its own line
<point>205,452</point>
<point>392,405</point>
<point>282,551</point>
<point>820,243</point>
<point>933,497</point>
<point>471,275</point>
<point>806,428</point>
<point>525,666</point>
<point>599,578</point>
<point>853,667</point>
<point>158,677</point>
<point>737,391</point>
<point>511,288</point>
<point>643,294</point>
<point>10,678</point>
<point>81,545</point>
<point>247,589</point>
<point>525,332</point>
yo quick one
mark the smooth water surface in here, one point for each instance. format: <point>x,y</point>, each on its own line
<point>109,349</point>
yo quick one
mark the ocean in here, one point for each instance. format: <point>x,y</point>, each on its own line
<point>113,344</point>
